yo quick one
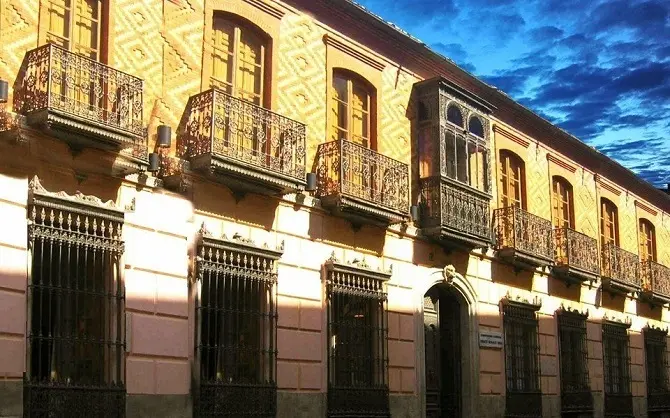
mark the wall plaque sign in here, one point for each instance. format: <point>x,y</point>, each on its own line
<point>490,339</point>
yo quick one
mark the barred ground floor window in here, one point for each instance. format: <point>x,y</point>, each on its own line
<point>616,363</point>
<point>522,359</point>
<point>357,340</point>
<point>76,337</point>
<point>576,396</point>
<point>236,313</point>
<point>656,362</point>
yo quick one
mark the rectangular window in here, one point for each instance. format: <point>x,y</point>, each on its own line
<point>76,306</point>
<point>576,394</point>
<point>616,363</point>
<point>357,346</point>
<point>237,328</point>
<point>656,362</point>
<point>522,361</point>
<point>75,25</point>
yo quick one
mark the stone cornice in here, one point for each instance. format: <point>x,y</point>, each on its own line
<point>340,45</point>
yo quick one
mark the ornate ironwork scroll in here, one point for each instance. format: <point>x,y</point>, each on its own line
<point>616,364</point>
<point>357,340</point>
<point>522,359</point>
<point>655,278</point>
<point>575,250</point>
<point>455,207</point>
<point>348,169</point>
<point>218,124</point>
<point>620,267</point>
<point>576,396</point>
<point>523,232</point>
<point>60,81</point>
<point>76,342</point>
<point>236,314</point>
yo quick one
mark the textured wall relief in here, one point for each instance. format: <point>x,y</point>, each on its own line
<point>586,207</point>
<point>394,127</point>
<point>537,180</point>
<point>663,244</point>
<point>628,223</point>
<point>18,34</point>
<point>301,78</point>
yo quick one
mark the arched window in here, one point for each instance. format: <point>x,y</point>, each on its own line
<point>238,58</point>
<point>562,203</point>
<point>454,115</point>
<point>75,25</point>
<point>475,127</point>
<point>467,156</point>
<point>609,224</point>
<point>647,241</point>
<point>352,109</point>
<point>512,180</point>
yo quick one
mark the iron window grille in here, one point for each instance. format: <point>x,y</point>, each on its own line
<point>522,359</point>
<point>616,363</point>
<point>656,354</point>
<point>576,396</point>
<point>236,338</point>
<point>357,340</point>
<point>76,301</point>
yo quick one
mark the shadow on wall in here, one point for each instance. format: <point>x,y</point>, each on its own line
<point>342,233</point>
<point>610,300</point>
<point>514,277</point>
<point>650,311</point>
<point>563,290</point>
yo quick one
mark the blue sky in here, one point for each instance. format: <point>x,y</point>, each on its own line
<point>598,69</point>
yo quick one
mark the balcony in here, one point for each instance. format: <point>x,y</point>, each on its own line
<point>81,101</point>
<point>576,255</point>
<point>246,147</point>
<point>655,280</point>
<point>455,214</point>
<point>362,185</point>
<point>523,239</point>
<point>619,269</point>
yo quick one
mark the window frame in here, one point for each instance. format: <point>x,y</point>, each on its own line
<point>357,282</point>
<point>647,240</point>
<point>560,185</point>
<point>617,374</point>
<point>72,17</point>
<point>458,141</point>
<point>235,261</point>
<point>507,158</point>
<point>353,81</point>
<point>608,207</point>
<point>240,27</point>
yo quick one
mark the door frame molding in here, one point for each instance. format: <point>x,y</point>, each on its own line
<point>449,277</point>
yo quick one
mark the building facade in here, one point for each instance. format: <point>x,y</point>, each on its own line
<point>293,209</point>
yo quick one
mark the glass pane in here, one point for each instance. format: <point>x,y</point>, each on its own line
<point>450,144</point>
<point>359,128</point>
<point>222,44</point>
<point>59,21</point>
<point>461,160</point>
<point>340,88</point>
<point>361,97</point>
<point>249,69</point>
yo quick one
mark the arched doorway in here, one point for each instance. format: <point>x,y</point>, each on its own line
<point>443,313</point>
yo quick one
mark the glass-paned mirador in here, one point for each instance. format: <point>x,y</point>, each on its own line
<point>76,307</point>
<point>512,180</point>
<point>561,201</point>
<point>75,25</point>
<point>351,109</point>
<point>357,342</point>
<point>647,238</point>
<point>466,150</point>
<point>236,317</point>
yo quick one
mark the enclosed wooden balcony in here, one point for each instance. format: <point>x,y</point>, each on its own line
<point>619,269</point>
<point>655,280</point>
<point>81,101</point>
<point>362,185</point>
<point>523,239</point>
<point>246,147</point>
<point>576,255</point>
<point>455,214</point>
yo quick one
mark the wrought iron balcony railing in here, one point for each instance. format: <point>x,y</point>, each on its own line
<point>64,89</point>
<point>226,134</point>
<point>521,235</point>
<point>458,212</point>
<point>655,279</point>
<point>576,253</point>
<point>619,268</point>
<point>359,179</point>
